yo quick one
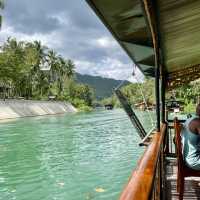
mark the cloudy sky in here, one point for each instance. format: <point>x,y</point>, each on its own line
<point>70,28</point>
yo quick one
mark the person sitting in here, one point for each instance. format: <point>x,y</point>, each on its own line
<point>191,140</point>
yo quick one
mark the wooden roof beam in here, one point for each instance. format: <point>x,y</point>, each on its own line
<point>181,77</point>
<point>139,37</point>
<point>150,8</point>
<point>147,61</point>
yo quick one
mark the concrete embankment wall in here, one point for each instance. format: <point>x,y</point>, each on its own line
<point>25,108</point>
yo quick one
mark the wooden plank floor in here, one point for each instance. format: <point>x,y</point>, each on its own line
<point>192,184</point>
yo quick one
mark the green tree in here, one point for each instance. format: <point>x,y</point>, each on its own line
<point>35,72</point>
<point>70,68</point>
<point>1,7</point>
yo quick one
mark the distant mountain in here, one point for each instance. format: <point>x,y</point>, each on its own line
<point>103,86</point>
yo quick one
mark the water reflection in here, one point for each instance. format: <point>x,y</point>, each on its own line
<point>71,157</point>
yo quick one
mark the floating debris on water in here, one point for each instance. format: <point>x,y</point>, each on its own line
<point>99,190</point>
<point>2,179</point>
<point>61,184</point>
<point>89,196</point>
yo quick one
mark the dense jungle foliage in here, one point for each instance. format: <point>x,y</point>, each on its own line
<point>136,92</point>
<point>33,71</point>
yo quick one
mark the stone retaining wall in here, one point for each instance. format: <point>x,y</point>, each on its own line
<point>26,108</point>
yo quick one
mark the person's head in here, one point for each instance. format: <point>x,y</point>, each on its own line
<point>198,110</point>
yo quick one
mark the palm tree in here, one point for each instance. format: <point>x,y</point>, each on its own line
<point>1,4</point>
<point>40,56</point>
<point>62,73</point>
<point>40,49</point>
<point>66,69</point>
<point>54,65</point>
<point>1,7</point>
<point>70,68</point>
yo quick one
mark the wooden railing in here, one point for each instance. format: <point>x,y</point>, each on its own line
<point>146,181</point>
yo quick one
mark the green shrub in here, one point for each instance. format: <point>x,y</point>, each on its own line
<point>189,108</point>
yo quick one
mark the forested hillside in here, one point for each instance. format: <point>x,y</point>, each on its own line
<point>103,87</point>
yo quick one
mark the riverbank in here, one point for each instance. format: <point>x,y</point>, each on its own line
<point>11,109</point>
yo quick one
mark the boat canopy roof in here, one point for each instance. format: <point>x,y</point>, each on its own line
<point>145,28</point>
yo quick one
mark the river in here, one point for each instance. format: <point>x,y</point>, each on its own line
<point>84,156</point>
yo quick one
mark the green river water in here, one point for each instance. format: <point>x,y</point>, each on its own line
<point>84,156</point>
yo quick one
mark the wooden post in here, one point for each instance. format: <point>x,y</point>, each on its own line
<point>157,92</point>
<point>163,89</point>
<point>150,9</point>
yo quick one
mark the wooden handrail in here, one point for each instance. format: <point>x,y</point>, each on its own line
<point>140,184</point>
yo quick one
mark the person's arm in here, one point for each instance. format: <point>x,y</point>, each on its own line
<point>195,126</point>
<point>198,129</point>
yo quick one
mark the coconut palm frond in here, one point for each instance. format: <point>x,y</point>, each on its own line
<point>0,20</point>
<point>1,7</point>
<point>2,4</point>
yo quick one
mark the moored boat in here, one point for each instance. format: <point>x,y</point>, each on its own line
<point>108,106</point>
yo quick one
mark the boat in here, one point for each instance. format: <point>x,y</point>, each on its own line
<point>162,38</point>
<point>144,106</point>
<point>174,106</point>
<point>108,106</point>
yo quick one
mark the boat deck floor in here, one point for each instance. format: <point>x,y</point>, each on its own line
<point>192,184</point>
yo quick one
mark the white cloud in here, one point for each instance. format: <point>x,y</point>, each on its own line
<point>106,42</point>
<point>46,39</point>
<point>76,34</point>
<point>110,68</point>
